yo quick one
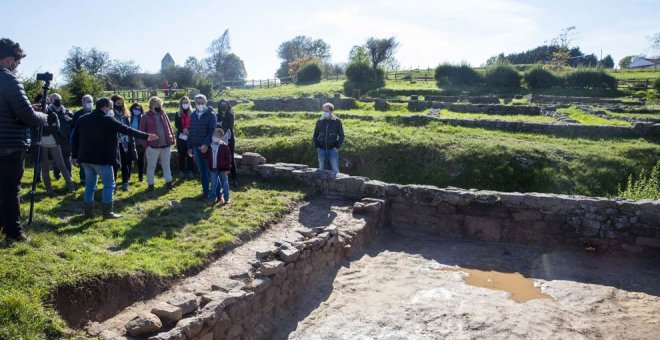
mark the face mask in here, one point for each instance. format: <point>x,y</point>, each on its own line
<point>185,106</point>
<point>158,109</point>
<point>14,69</point>
<point>201,108</point>
<point>325,115</point>
<point>87,106</point>
<point>216,139</point>
<point>119,107</point>
<point>137,112</point>
<point>110,113</point>
<point>223,108</point>
<point>57,103</point>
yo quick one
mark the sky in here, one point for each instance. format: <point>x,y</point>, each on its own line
<point>429,32</point>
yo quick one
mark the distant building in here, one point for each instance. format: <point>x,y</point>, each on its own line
<point>167,62</point>
<point>645,64</point>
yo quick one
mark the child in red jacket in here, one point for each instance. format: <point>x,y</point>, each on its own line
<point>218,159</point>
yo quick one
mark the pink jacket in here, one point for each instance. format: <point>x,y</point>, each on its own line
<point>148,125</point>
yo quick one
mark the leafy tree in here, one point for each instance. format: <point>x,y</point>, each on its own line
<point>232,68</point>
<point>82,82</point>
<point>218,50</point>
<point>607,62</point>
<point>655,43</point>
<point>309,73</point>
<point>123,73</point>
<point>94,61</point>
<point>625,61</point>
<point>359,55</point>
<point>195,66</point>
<point>381,50</point>
<point>299,47</point>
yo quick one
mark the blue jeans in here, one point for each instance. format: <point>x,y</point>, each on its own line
<point>203,169</point>
<point>218,180</point>
<point>326,155</point>
<point>92,171</point>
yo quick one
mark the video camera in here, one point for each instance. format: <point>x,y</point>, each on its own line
<point>47,77</point>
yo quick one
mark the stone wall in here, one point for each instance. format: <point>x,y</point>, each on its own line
<point>302,104</point>
<point>545,99</point>
<point>530,218</point>
<point>247,307</point>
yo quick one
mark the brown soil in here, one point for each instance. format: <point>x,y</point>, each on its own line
<point>400,289</point>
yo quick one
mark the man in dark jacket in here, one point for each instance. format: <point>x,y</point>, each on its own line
<point>95,148</point>
<point>202,126</point>
<point>328,138</point>
<point>16,117</point>
<point>87,106</point>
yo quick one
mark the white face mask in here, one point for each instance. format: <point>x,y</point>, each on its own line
<point>185,106</point>
<point>216,139</point>
<point>87,106</point>
<point>110,113</point>
<point>325,115</point>
<point>201,108</point>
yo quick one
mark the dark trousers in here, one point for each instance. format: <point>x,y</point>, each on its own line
<point>186,162</point>
<point>126,160</point>
<point>11,172</point>
<point>140,161</point>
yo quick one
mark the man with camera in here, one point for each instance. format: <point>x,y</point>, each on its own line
<point>16,117</point>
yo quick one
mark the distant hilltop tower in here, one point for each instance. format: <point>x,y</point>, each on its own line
<point>167,62</point>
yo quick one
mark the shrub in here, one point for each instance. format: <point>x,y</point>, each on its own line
<point>308,74</point>
<point>656,85</point>
<point>463,74</point>
<point>362,76</point>
<point>540,78</point>
<point>502,75</point>
<point>585,78</point>
<point>82,83</point>
<point>644,187</point>
<point>205,87</point>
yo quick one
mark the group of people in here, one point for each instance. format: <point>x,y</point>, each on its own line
<point>105,137</point>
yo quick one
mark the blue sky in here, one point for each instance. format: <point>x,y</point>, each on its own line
<point>430,32</point>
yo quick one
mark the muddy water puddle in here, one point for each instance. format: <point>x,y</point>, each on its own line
<point>521,288</point>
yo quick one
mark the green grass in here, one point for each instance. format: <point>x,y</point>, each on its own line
<point>631,115</point>
<point>450,114</point>
<point>635,74</point>
<point>326,87</point>
<point>153,237</point>
<point>443,155</point>
<point>588,119</point>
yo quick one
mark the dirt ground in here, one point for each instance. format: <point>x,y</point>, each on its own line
<point>401,289</point>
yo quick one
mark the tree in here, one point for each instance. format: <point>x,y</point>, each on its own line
<point>655,43</point>
<point>607,62</point>
<point>381,50</point>
<point>297,48</point>
<point>123,73</point>
<point>81,83</point>
<point>565,38</point>
<point>195,66</point>
<point>625,61</point>
<point>359,55</point>
<point>93,61</point>
<point>232,68</point>
<point>218,50</point>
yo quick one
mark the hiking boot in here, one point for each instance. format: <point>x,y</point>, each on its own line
<point>169,185</point>
<point>88,209</point>
<point>150,188</point>
<point>191,175</point>
<point>10,240</point>
<point>124,187</point>
<point>70,187</point>
<point>108,213</point>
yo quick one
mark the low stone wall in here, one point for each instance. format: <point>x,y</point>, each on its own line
<point>470,99</point>
<point>495,109</point>
<point>247,307</point>
<point>531,218</point>
<point>302,104</point>
<point>545,99</point>
<point>642,129</point>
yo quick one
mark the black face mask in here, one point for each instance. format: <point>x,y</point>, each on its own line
<point>57,103</point>
<point>158,109</point>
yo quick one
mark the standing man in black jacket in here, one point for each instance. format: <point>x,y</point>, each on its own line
<point>328,138</point>
<point>16,117</point>
<point>95,148</point>
<point>87,106</point>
